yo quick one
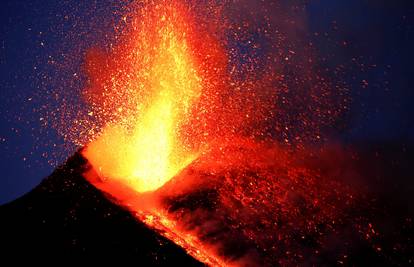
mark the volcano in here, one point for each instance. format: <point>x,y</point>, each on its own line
<point>216,215</point>
<point>195,151</point>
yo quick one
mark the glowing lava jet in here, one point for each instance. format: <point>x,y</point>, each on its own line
<point>156,76</point>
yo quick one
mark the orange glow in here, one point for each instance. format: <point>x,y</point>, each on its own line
<point>161,80</point>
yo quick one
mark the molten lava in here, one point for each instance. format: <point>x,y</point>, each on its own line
<point>160,72</point>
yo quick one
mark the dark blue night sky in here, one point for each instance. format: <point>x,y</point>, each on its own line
<point>379,34</point>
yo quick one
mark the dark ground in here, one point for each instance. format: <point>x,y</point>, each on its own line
<point>68,219</point>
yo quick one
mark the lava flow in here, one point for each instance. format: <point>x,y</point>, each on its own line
<point>175,145</point>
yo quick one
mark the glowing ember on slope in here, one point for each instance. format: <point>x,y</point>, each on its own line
<point>160,75</point>
<point>247,204</point>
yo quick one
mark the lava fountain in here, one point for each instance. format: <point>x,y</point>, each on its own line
<point>157,76</point>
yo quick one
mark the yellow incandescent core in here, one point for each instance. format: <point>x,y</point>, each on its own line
<point>145,150</point>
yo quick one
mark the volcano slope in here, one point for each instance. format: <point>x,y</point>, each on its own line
<point>260,205</point>
<point>250,208</point>
<point>66,218</point>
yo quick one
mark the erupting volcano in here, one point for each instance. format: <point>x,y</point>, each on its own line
<point>207,126</point>
<point>162,149</point>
